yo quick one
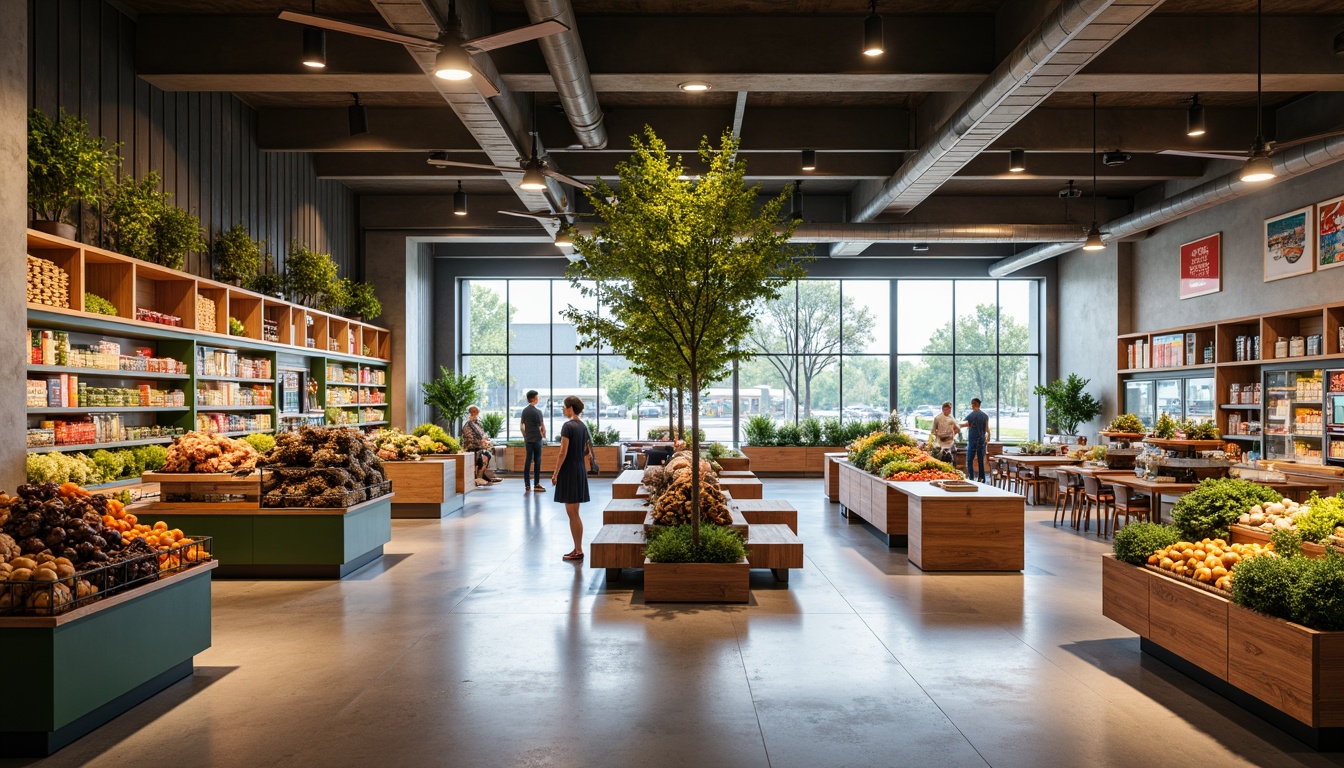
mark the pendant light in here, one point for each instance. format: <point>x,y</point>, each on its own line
<point>314,45</point>
<point>359,117</point>
<point>1194,118</point>
<point>809,159</point>
<point>798,201</point>
<point>872,33</point>
<point>452,63</point>
<point>459,200</point>
<point>1093,242</point>
<point>1017,160</point>
<point>1259,167</point>
<point>562,239</point>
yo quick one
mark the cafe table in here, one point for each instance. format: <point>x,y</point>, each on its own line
<point>1035,464</point>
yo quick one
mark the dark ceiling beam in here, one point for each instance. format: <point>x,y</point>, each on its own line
<point>365,166</point>
<point>768,129</point>
<point>1169,54</point>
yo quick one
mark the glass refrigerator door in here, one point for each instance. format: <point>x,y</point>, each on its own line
<point>1139,401</point>
<point>1294,428</point>
<point>1199,399</point>
<point>1170,397</point>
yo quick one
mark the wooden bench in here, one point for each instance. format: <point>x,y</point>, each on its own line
<point>736,473</point>
<point>625,512</point>
<point>616,547</point>
<point>768,512</point>
<point>742,487</point>
<point>774,547</point>
<point>627,484</point>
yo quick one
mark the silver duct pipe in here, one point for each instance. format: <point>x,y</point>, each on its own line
<point>939,233</point>
<point>1292,162</point>
<point>569,70</point>
<point>918,174</point>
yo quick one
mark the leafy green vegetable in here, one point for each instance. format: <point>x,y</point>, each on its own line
<point>1209,510</point>
<point>1265,584</point>
<point>436,433</point>
<point>151,457</point>
<point>1318,592</point>
<point>236,327</point>
<point>1286,543</point>
<point>261,441</point>
<point>95,303</point>
<point>57,467</point>
<point>1136,541</point>
<point>1319,523</point>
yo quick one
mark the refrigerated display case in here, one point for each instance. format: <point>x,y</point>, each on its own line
<point>1334,417</point>
<point>1294,426</point>
<point>1139,401</point>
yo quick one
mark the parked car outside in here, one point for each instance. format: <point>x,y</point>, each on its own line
<point>650,410</point>
<point>614,411</point>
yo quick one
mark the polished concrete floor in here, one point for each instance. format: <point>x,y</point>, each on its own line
<point>473,644</point>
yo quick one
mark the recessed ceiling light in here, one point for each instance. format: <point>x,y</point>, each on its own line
<point>694,86</point>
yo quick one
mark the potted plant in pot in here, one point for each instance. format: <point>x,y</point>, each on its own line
<point>452,393</point>
<point>140,222</point>
<point>66,166</point>
<point>310,276</point>
<point>361,303</point>
<point>680,566</point>
<point>236,257</point>
<point>1067,405</point>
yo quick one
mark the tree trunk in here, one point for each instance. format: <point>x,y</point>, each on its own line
<point>695,457</point>
<point>681,414</point>
<point>807,405</point>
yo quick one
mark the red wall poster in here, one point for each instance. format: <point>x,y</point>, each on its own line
<point>1200,266</point>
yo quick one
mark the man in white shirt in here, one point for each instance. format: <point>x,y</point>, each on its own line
<point>943,434</point>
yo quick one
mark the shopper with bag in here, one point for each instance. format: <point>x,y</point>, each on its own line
<point>570,477</point>
<point>943,435</point>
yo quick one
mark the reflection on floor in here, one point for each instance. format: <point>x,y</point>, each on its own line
<point>473,644</point>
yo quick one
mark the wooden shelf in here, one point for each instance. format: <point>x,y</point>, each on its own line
<point>107,373</point>
<point>105,446</point>
<point>1169,369</point>
<point>1239,407</point>
<point>104,409</point>
<point>232,408</point>
<point>242,432</point>
<point>238,379</point>
<point>1254,438</point>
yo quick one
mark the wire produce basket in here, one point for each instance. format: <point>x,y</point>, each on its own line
<point>325,487</point>
<point>51,590</point>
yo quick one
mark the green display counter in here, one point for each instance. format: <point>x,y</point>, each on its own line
<point>81,669</point>
<point>289,543</point>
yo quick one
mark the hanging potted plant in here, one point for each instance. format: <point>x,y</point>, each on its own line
<point>66,166</point>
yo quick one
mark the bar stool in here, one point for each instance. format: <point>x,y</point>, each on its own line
<point>1130,503</point>
<point>1100,495</point>
<point>1066,491</point>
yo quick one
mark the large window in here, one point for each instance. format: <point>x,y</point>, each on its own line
<point>825,349</point>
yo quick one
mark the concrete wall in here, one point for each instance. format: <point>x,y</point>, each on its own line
<point>1093,308</point>
<point>402,272</point>
<point>1157,260</point>
<point>13,245</point>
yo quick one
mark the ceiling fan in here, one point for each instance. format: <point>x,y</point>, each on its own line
<point>1270,147</point>
<point>534,168</point>
<point>546,215</point>
<point>453,60</point>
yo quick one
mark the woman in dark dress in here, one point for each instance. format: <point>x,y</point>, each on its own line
<point>571,476</point>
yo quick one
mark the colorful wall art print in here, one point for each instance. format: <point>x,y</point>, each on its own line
<point>1330,233</point>
<point>1288,244</point>
<point>1200,266</point>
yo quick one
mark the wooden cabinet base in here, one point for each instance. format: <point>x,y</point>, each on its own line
<point>70,689</point>
<point>789,461</point>
<point>830,474</point>
<point>424,489</point>
<point>1290,675</point>
<point>697,582</point>
<point>736,464</point>
<point>875,501</point>
<point>981,531</point>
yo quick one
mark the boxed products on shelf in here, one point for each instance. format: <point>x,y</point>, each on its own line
<point>47,283</point>
<point>270,330</point>
<point>372,415</point>
<point>227,393</point>
<point>372,376</point>
<point>226,362</point>
<point>54,348</point>
<point>67,391</point>
<point>341,396</point>
<point>160,318</point>
<point>206,313</point>
<point>372,397</point>
<point>213,423</point>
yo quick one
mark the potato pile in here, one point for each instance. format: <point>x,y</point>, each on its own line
<point>1275,515</point>
<point>318,467</point>
<point>201,452</point>
<point>673,506</point>
<point>48,583</point>
<point>207,314</point>
<point>1209,561</point>
<point>47,283</point>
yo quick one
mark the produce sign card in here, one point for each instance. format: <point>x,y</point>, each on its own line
<point>1288,245</point>
<point>1201,263</point>
<point>1330,233</point>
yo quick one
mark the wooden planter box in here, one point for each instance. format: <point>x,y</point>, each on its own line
<point>870,498</point>
<point>609,458</point>
<point>288,543</point>
<point>795,461</point>
<point>464,469</point>
<point>70,688</point>
<point>831,475</point>
<point>1290,675</point>
<point>424,489</point>
<point>192,486</point>
<point>697,582</point>
<point>735,464</point>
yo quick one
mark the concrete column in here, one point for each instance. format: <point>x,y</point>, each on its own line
<point>1095,298</point>
<point>402,273</point>
<point>13,238</point>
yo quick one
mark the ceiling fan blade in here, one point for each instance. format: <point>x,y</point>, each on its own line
<point>1277,145</point>
<point>481,166</point>
<point>558,176</point>
<point>514,36</point>
<point>349,28</point>
<point>1207,155</point>
<point>484,85</point>
<point>528,215</point>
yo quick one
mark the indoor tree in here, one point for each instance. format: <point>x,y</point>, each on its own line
<point>310,275</point>
<point>681,264</point>
<point>236,256</point>
<point>452,393</point>
<point>65,164</point>
<point>1067,405</point>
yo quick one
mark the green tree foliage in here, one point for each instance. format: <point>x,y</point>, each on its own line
<point>140,222</point>
<point>489,315</point>
<point>985,331</point>
<point>65,164</point>
<point>452,393</point>
<point>310,275</point>
<point>800,335</point>
<point>1067,405</point>
<point>682,264</point>
<point>237,257</point>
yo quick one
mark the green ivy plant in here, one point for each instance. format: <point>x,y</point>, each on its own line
<point>141,223</point>
<point>1067,405</point>
<point>237,257</point>
<point>65,164</point>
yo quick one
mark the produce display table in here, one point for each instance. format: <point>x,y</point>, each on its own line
<point>287,543</point>
<point>73,683</point>
<point>1036,464</point>
<point>952,531</point>
<point>424,489</point>
<point>1287,674</point>
<point>830,474</point>
<point>201,484</point>
<point>870,498</point>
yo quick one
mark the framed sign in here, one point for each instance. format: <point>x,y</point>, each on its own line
<point>1201,266</point>
<point>1330,233</point>
<point>1288,244</point>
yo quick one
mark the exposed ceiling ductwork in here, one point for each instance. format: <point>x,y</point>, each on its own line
<point>569,69</point>
<point>940,233</point>
<point>1295,161</point>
